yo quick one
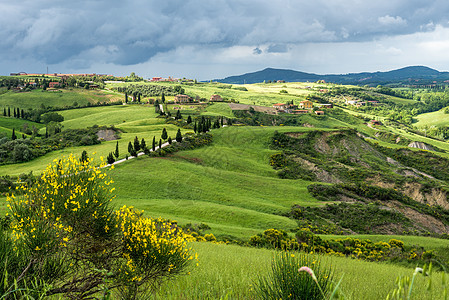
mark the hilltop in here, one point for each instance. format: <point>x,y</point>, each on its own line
<point>411,73</point>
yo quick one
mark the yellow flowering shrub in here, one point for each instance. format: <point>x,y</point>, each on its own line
<point>67,230</point>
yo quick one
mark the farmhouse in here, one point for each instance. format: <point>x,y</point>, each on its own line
<point>53,84</point>
<point>319,112</point>
<point>306,104</point>
<point>182,98</point>
<point>352,102</point>
<point>216,98</point>
<point>280,106</point>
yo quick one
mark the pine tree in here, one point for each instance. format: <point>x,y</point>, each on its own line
<point>169,140</point>
<point>154,144</point>
<point>116,153</point>
<point>13,136</point>
<point>189,119</point>
<point>136,144</point>
<point>143,144</point>
<point>164,134</point>
<point>179,136</point>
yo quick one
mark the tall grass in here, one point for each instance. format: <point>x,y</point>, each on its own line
<point>285,281</point>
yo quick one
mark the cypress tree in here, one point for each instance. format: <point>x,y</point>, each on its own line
<point>221,121</point>
<point>22,113</point>
<point>46,132</point>
<point>110,159</point>
<point>189,119</point>
<point>13,136</point>
<point>154,143</point>
<point>143,144</point>
<point>83,156</point>
<point>15,114</point>
<point>130,148</point>
<point>9,112</point>
<point>194,127</point>
<point>178,115</point>
<point>138,97</point>
<point>4,112</point>
<point>179,136</point>
<point>160,144</point>
<point>163,97</point>
<point>116,153</point>
<point>169,140</point>
<point>126,97</point>
<point>136,144</point>
<point>164,134</point>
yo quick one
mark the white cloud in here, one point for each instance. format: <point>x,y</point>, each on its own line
<point>392,21</point>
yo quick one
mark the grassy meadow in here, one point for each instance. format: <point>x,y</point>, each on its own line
<point>55,98</point>
<point>436,118</point>
<point>230,272</point>
<point>228,185</point>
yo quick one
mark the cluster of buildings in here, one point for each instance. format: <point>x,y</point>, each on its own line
<point>304,107</point>
<point>57,75</point>
<point>161,79</point>
<point>186,99</point>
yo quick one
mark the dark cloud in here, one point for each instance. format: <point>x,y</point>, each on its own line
<point>134,31</point>
<point>257,51</point>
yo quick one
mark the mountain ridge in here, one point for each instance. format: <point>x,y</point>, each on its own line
<point>409,73</point>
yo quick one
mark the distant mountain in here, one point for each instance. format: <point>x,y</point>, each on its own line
<point>413,73</point>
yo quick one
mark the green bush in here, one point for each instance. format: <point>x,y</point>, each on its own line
<point>66,239</point>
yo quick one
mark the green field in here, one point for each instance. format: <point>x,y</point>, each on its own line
<point>436,118</point>
<point>219,109</point>
<point>231,271</point>
<point>229,185</point>
<point>59,98</point>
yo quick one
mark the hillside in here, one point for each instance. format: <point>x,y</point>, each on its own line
<point>406,191</point>
<point>407,73</point>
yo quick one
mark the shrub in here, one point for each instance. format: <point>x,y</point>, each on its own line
<point>66,235</point>
<point>286,282</point>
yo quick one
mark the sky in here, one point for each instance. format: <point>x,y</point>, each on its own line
<point>210,39</point>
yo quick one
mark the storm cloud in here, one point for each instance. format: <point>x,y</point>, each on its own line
<point>83,34</point>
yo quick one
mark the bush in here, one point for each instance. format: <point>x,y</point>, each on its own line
<point>286,282</point>
<point>67,239</point>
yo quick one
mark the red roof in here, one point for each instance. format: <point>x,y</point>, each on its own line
<point>278,104</point>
